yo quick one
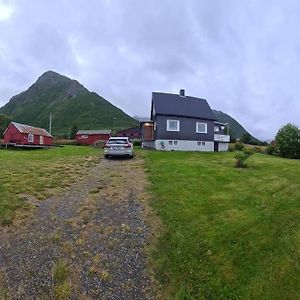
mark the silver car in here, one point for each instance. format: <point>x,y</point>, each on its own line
<point>118,146</point>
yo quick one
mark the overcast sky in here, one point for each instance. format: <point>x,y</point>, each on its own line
<point>242,56</point>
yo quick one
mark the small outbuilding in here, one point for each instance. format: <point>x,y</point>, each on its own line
<point>133,133</point>
<point>91,137</point>
<point>17,134</point>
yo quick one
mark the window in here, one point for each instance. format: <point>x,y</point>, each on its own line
<point>201,127</point>
<point>84,136</point>
<point>200,143</point>
<point>175,143</point>
<point>173,125</point>
<point>171,143</point>
<point>118,141</point>
<point>30,138</point>
<point>216,128</point>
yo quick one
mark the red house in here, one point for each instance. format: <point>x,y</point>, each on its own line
<point>90,137</point>
<point>20,134</point>
<point>132,133</point>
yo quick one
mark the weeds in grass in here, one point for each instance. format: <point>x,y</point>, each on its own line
<point>62,286</point>
<point>39,174</point>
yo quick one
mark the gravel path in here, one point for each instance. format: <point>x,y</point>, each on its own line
<point>85,243</point>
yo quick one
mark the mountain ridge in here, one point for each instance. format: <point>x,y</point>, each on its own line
<point>236,130</point>
<point>73,104</point>
<point>69,102</point>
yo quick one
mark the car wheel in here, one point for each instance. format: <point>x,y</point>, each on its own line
<point>131,156</point>
<point>106,156</point>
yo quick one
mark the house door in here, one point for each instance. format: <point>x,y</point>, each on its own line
<point>216,146</point>
<point>41,140</point>
<point>148,132</point>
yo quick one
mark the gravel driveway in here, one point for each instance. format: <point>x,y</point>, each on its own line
<point>84,243</point>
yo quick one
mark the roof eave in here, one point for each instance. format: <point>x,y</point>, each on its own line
<point>185,116</point>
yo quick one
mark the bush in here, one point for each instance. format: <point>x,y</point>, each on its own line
<point>271,149</point>
<point>238,146</point>
<point>241,158</point>
<point>288,141</point>
<point>257,149</point>
<point>137,143</point>
<point>231,148</point>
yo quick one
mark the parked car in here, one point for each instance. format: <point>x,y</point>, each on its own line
<point>118,146</point>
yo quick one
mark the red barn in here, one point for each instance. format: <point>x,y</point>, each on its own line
<point>20,134</point>
<point>90,137</point>
<point>132,133</point>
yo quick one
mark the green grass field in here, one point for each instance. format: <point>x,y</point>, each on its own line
<point>228,233</point>
<point>37,174</point>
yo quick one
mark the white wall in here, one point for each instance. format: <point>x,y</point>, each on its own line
<point>183,145</point>
<point>223,147</point>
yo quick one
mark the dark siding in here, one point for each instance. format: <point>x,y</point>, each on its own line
<point>187,129</point>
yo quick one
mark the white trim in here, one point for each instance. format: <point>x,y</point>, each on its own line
<point>30,138</point>
<point>8,128</point>
<point>168,125</point>
<point>216,129</point>
<point>198,123</point>
<point>222,147</point>
<point>184,145</point>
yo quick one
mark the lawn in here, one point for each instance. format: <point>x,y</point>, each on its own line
<point>37,174</point>
<point>228,233</point>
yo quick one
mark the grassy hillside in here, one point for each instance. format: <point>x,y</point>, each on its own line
<point>236,129</point>
<point>229,233</point>
<point>69,101</point>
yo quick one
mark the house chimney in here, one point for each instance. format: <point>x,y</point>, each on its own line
<point>182,93</point>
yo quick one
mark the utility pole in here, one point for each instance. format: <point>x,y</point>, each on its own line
<point>115,131</point>
<point>50,123</point>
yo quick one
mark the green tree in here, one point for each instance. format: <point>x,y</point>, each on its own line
<point>288,141</point>
<point>73,132</point>
<point>4,122</point>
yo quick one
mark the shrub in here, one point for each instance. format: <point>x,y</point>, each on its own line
<point>271,149</point>
<point>137,143</point>
<point>239,146</point>
<point>231,148</point>
<point>288,141</point>
<point>257,149</point>
<point>241,158</point>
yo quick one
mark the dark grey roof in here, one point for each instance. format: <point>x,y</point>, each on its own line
<point>175,105</point>
<point>87,132</point>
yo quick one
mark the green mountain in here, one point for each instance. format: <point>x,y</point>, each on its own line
<point>236,130</point>
<point>69,102</point>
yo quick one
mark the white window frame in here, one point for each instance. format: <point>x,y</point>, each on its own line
<point>200,143</point>
<point>30,138</point>
<point>178,125</point>
<point>198,123</point>
<point>216,129</point>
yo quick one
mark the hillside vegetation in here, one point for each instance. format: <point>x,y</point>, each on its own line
<point>69,102</point>
<point>228,233</point>
<point>236,130</point>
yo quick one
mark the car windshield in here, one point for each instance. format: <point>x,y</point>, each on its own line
<point>116,141</point>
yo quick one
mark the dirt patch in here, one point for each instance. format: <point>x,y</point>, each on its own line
<point>85,243</point>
